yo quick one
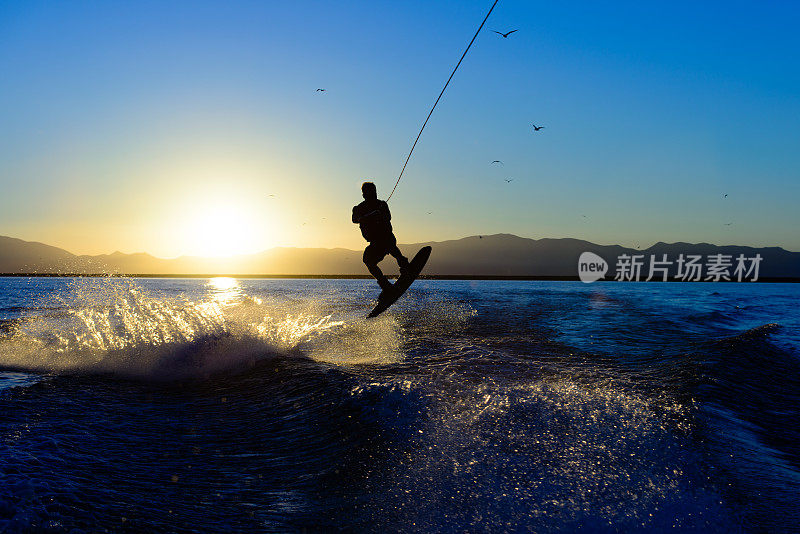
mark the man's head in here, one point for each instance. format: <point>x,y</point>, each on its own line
<point>369,191</point>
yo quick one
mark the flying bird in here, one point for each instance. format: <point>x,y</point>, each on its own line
<point>320,90</point>
<point>509,180</point>
<point>505,35</point>
<point>497,161</point>
<point>725,195</point>
<point>536,128</point>
<point>728,224</point>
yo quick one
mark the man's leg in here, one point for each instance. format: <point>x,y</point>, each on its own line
<point>372,255</point>
<point>402,261</point>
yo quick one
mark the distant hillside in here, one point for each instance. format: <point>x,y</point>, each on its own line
<point>494,255</point>
<point>17,256</point>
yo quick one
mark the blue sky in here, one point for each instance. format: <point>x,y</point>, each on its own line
<point>138,126</point>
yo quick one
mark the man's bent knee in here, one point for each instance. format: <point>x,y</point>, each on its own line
<point>373,255</point>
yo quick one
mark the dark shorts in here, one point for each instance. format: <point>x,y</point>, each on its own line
<point>378,249</point>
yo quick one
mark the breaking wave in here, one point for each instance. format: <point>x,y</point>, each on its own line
<point>121,329</point>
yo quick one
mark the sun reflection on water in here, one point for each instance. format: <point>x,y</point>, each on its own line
<point>224,290</point>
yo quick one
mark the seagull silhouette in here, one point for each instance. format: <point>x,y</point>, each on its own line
<point>505,35</point>
<point>728,224</point>
<point>509,180</point>
<point>497,161</point>
<point>320,90</point>
<point>536,128</point>
<point>725,195</point>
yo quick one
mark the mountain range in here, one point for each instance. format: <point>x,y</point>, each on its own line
<point>499,255</point>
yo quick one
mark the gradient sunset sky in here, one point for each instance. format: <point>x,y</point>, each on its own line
<point>165,126</point>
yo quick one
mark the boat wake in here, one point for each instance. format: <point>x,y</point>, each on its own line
<point>120,329</point>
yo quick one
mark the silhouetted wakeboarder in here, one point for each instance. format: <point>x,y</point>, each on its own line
<point>374,219</point>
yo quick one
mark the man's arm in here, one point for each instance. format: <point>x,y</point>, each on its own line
<point>385,211</point>
<point>358,217</point>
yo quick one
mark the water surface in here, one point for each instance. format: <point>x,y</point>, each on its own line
<point>272,405</point>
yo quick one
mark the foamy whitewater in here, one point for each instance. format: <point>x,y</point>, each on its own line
<point>488,406</point>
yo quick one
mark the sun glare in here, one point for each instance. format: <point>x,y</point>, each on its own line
<point>222,229</point>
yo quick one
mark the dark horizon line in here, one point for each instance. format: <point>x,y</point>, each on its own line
<point>766,279</point>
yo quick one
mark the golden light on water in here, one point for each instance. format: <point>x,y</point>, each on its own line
<point>224,290</point>
<point>223,283</point>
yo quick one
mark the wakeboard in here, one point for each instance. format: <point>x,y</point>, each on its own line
<point>390,295</point>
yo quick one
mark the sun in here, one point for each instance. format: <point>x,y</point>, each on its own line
<point>222,228</point>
